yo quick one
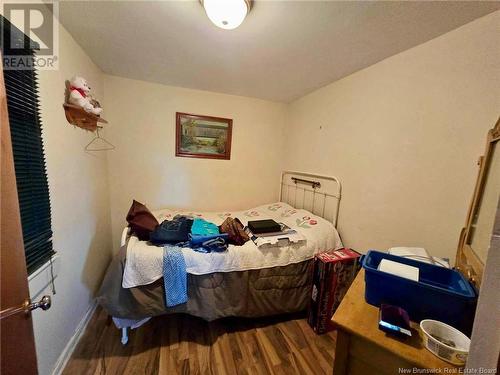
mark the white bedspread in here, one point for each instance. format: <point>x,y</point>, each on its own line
<point>144,263</point>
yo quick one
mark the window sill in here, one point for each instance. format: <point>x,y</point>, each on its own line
<point>41,279</point>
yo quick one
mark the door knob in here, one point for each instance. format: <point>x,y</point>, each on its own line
<point>44,304</point>
<point>27,306</point>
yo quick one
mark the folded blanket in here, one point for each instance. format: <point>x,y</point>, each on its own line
<point>174,276</point>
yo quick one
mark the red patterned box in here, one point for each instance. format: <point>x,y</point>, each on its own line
<point>333,273</point>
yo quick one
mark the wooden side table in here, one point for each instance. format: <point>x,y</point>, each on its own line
<point>364,349</point>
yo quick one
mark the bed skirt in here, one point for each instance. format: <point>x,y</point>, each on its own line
<point>252,293</point>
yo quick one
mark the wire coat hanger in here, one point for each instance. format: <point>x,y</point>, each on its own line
<point>108,145</point>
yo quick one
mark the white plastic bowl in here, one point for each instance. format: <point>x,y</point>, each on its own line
<point>457,354</point>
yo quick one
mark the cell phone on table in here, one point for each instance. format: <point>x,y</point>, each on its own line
<point>393,319</point>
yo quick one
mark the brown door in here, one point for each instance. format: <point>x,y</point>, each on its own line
<point>17,348</point>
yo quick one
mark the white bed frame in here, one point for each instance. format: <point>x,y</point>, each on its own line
<point>319,194</point>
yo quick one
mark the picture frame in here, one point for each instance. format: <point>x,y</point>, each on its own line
<point>198,136</point>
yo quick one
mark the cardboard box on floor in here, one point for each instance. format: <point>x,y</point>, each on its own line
<point>333,273</point>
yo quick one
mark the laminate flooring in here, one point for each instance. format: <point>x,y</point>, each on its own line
<point>182,344</point>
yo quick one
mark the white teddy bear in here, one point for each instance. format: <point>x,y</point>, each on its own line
<point>80,95</point>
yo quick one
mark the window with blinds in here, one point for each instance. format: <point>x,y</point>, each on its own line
<point>27,146</point>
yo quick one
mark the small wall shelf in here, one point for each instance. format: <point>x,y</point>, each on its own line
<point>79,117</point>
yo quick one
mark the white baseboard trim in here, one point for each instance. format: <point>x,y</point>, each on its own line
<point>73,341</point>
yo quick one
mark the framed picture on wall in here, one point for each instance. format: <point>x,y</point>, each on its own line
<point>203,136</point>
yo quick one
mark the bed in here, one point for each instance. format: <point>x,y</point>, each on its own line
<point>244,281</point>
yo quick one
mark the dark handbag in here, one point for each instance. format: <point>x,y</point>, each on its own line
<point>235,230</point>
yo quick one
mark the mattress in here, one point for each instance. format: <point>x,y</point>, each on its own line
<point>253,293</point>
<point>144,262</point>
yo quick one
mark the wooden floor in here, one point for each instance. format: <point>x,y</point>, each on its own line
<point>180,344</point>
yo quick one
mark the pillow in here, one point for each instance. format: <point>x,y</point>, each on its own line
<point>141,220</point>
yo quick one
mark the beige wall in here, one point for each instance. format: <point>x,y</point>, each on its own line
<point>80,207</point>
<point>144,166</point>
<point>403,136</point>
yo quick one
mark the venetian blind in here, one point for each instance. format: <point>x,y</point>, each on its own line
<point>27,145</point>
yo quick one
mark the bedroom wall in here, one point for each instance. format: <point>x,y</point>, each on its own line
<point>80,208</point>
<point>144,166</point>
<point>404,136</point>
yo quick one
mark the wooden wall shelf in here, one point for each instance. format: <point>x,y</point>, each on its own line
<point>79,117</point>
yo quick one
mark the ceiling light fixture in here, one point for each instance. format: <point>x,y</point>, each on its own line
<point>227,14</point>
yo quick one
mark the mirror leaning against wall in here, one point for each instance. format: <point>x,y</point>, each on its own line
<point>476,235</point>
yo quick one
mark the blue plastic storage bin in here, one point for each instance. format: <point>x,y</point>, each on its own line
<point>441,293</point>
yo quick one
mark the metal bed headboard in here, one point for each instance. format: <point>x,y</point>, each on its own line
<point>304,190</point>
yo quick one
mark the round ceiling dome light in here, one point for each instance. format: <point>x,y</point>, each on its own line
<point>227,14</point>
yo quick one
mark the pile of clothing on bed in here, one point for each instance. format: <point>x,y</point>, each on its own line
<point>185,231</point>
<point>198,234</point>
<point>182,231</point>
